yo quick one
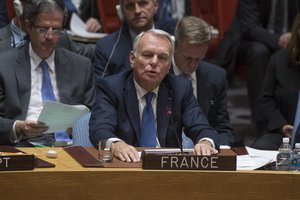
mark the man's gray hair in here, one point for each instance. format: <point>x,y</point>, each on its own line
<point>158,33</point>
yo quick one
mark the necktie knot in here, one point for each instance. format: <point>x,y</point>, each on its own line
<point>44,66</point>
<point>149,97</point>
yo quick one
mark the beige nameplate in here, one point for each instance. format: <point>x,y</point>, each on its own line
<point>15,161</point>
<point>188,162</point>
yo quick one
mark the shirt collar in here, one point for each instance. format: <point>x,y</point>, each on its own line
<point>37,60</point>
<point>141,91</point>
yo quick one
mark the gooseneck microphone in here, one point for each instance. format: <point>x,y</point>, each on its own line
<point>169,114</point>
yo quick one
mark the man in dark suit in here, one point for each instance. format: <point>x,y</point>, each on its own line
<point>3,14</point>
<point>14,35</point>
<point>259,28</point>
<point>118,112</point>
<point>22,75</point>
<point>192,38</point>
<point>111,55</point>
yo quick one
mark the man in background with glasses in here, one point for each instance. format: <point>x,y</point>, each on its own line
<point>39,72</point>
<point>14,35</point>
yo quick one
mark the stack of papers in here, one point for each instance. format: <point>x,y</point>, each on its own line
<point>59,116</point>
<point>255,159</point>
<point>77,27</point>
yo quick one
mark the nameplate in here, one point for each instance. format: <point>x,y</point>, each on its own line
<point>188,162</point>
<point>16,162</point>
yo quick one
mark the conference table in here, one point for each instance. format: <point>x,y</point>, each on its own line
<point>69,180</point>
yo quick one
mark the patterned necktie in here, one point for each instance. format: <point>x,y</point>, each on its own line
<point>47,89</point>
<point>148,130</point>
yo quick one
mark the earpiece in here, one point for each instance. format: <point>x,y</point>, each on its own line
<point>119,12</point>
<point>18,8</point>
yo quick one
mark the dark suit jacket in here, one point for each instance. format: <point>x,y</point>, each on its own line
<point>212,97</point>
<point>120,56</point>
<point>75,83</point>
<point>3,14</point>
<point>116,113</point>
<point>86,50</point>
<point>88,9</point>
<point>280,91</point>
<point>250,24</point>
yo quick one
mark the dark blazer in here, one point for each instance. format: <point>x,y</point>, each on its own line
<point>250,24</point>
<point>212,97</point>
<point>280,91</point>
<point>116,113</point>
<point>75,83</point>
<point>88,9</point>
<point>86,50</point>
<point>3,14</point>
<point>120,56</point>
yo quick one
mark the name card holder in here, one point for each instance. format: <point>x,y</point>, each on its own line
<point>17,162</point>
<point>187,161</point>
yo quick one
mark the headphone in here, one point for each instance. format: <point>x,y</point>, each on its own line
<point>119,12</point>
<point>18,8</point>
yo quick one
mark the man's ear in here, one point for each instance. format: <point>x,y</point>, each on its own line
<point>132,58</point>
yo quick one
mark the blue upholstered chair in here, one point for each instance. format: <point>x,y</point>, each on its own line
<point>81,131</point>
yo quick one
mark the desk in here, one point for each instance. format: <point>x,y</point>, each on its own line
<point>68,180</point>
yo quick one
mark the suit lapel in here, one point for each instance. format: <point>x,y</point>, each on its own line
<point>23,78</point>
<point>203,95</point>
<point>131,106</point>
<point>164,103</point>
<point>63,76</point>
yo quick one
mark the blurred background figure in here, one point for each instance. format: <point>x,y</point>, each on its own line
<point>259,28</point>
<point>3,14</point>
<point>87,11</point>
<point>278,100</point>
<point>173,9</point>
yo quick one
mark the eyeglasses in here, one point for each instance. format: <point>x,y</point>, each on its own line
<point>43,31</point>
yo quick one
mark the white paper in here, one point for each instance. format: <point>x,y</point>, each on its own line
<point>255,159</point>
<point>77,27</point>
<point>59,116</point>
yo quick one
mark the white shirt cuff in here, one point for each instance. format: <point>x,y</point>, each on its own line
<point>209,140</point>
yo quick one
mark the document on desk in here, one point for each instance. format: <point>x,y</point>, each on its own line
<point>77,27</point>
<point>255,159</point>
<point>59,116</point>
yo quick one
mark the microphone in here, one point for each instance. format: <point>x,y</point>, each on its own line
<point>169,114</point>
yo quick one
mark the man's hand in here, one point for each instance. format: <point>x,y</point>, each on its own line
<point>92,25</point>
<point>125,152</point>
<point>284,39</point>
<point>287,130</point>
<point>204,148</point>
<point>30,128</point>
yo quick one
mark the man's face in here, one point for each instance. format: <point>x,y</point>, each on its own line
<point>139,14</point>
<point>152,61</point>
<point>188,56</point>
<point>44,33</point>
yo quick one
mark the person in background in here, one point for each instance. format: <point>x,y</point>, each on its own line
<point>38,72</point>
<point>3,14</point>
<point>147,106</point>
<point>259,29</point>
<point>192,40</point>
<point>14,35</point>
<point>89,13</point>
<point>173,9</point>
<point>279,97</point>
<point>111,54</point>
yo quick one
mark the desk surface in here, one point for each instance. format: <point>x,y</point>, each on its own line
<point>68,180</point>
